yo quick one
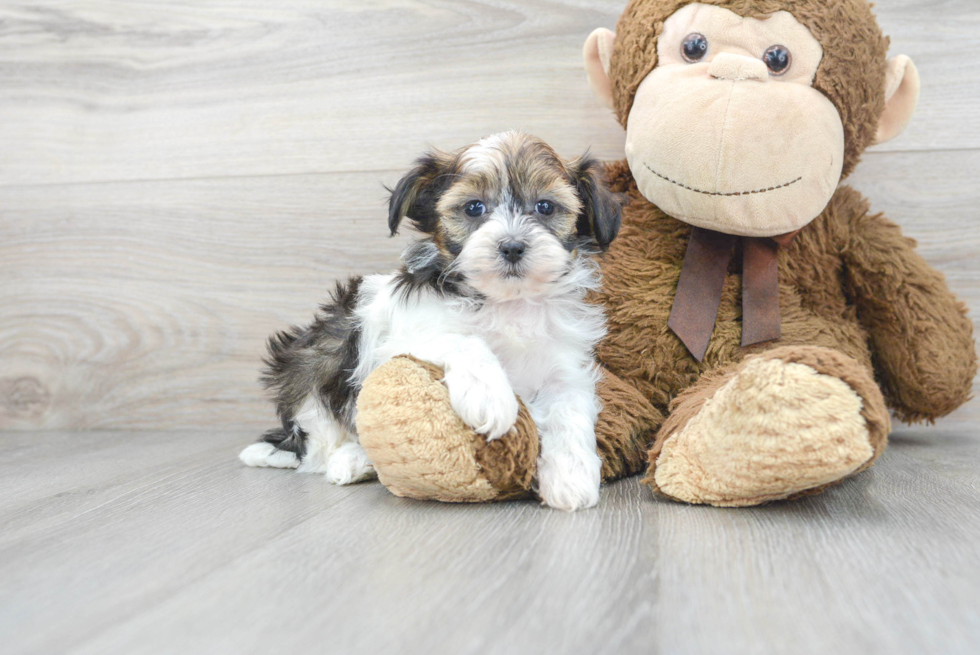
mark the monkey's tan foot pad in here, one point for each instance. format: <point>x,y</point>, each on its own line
<point>422,449</point>
<point>788,422</point>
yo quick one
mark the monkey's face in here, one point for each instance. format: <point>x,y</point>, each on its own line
<point>727,133</point>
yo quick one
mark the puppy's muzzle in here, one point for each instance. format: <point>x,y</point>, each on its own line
<point>512,251</point>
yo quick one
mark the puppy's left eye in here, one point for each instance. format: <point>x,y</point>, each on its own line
<point>545,207</point>
<point>475,209</point>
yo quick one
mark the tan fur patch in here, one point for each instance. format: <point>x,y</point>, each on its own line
<point>422,449</point>
<point>508,169</point>
<point>774,429</point>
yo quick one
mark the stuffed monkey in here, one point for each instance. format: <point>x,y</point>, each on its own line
<point>762,319</point>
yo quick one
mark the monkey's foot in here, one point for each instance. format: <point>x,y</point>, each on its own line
<point>422,449</point>
<point>788,422</point>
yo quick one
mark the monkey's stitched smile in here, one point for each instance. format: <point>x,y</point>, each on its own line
<point>718,193</point>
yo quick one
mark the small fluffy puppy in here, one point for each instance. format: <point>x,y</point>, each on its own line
<point>493,291</point>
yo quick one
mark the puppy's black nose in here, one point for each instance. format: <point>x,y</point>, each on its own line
<point>512,251</point>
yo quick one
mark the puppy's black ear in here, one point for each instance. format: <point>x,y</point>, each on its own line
<point>602,210</point>
<point>416,194</point>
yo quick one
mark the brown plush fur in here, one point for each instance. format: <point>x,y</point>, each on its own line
<point>421,449</point>
<point>851,74</point>
<point>824,360</point>
<point>853,291</point>
<point>624,428</point>
<point>849,283</point>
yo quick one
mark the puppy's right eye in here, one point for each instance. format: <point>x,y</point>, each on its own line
<point>475,209</point>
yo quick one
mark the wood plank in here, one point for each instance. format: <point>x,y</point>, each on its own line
<point>144,506</point>
<point>95,91</point>
<point>181,549</point>
<point>145,305</point>
<point>150,303</point>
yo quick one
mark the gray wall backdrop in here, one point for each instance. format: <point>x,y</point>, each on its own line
<point>178,179</point>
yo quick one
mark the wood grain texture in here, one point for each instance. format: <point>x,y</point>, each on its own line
<point>97,91</point>
<point>146,304</point>
<point>156,542</point>
<point>179,179</point>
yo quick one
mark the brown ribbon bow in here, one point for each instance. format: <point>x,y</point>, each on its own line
<point>695,309</point>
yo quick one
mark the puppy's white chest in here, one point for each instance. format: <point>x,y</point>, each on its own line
<point>515,338</point>
<point>514,328</point>
<point>520,338</point>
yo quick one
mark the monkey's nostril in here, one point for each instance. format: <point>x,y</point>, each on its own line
<point>512,251</point>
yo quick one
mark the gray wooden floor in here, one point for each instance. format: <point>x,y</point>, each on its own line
<point>116,542</point>
<point>180,178</point>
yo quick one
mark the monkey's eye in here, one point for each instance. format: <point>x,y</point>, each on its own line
<point>695,47</point>
<point>545,207</point>
<point>778,59</point>
<point>475,209</point>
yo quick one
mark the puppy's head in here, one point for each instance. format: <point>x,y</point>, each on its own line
<point>507,214</point>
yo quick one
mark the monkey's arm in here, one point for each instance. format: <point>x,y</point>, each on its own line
<point>921,337</point>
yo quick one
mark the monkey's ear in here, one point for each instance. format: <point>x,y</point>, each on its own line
<point>416,194</point>
<point>602,210</point>
<point>901,97</point>
<point>598,53</point>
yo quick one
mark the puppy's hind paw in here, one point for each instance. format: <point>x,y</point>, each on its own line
<point>569,482</point>
<point>264,454</point>
<point>349,464</point>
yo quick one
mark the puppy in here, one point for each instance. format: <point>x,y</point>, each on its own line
<point>493,291</point>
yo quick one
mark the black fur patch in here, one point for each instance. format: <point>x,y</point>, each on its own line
<point>416,195</point>
<point>602,210</point>
<point>318,357</point>
<point>291,439</point>
<point>425,268</point>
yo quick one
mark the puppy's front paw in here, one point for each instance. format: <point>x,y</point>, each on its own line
<point>569,481</point>
<point>485,400</point>
<point>349,464</point>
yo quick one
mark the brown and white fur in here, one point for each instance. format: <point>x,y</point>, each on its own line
<point>494,291</point>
